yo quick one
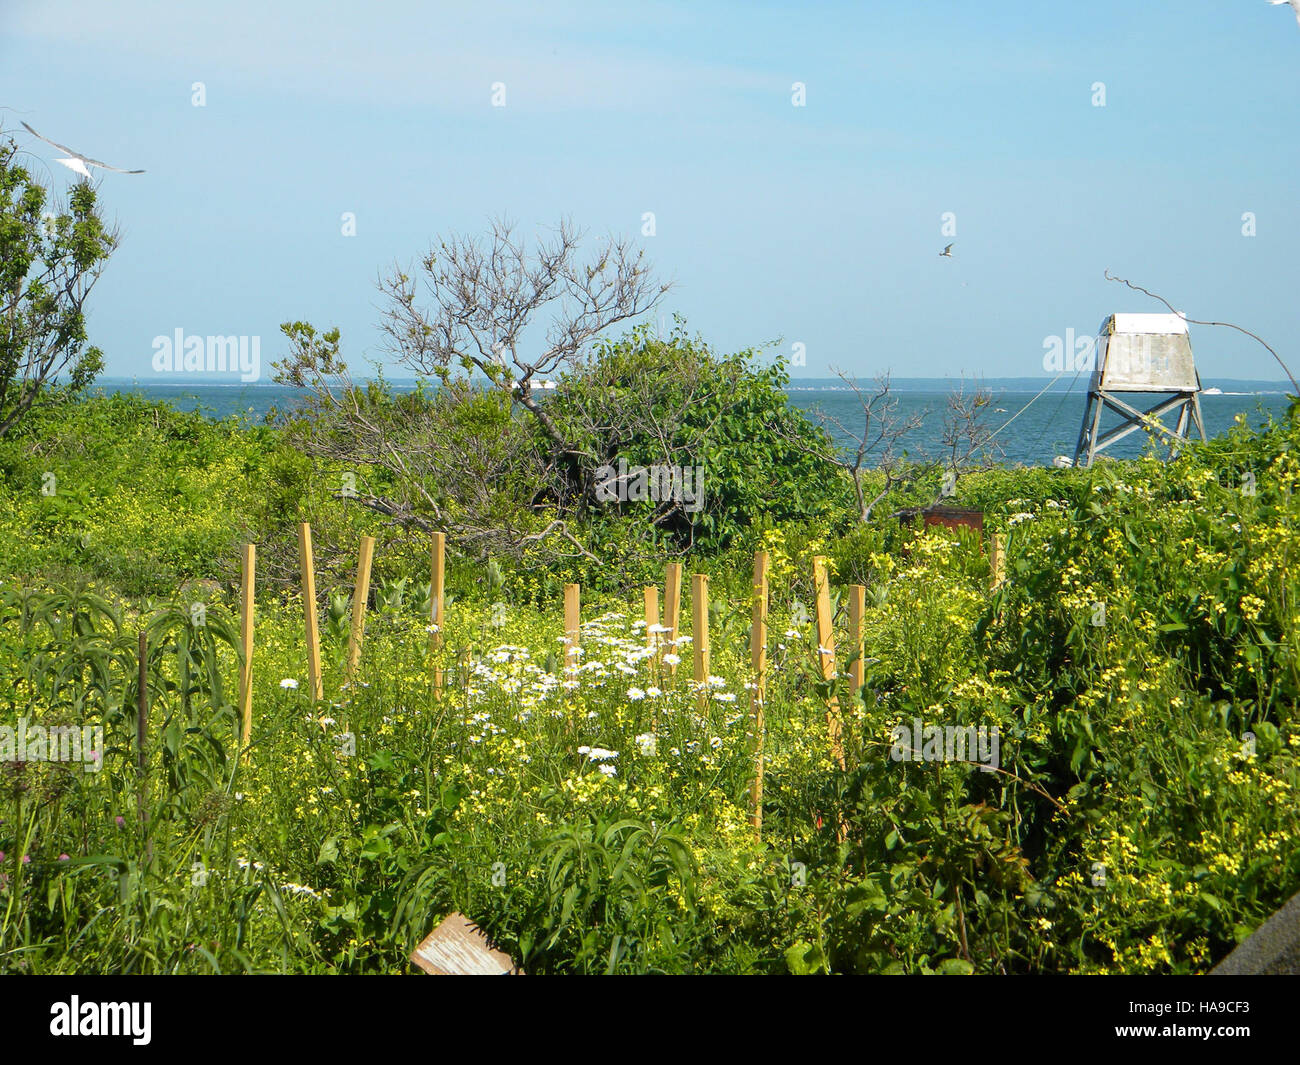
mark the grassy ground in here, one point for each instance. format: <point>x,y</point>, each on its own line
<point>1139,664</point>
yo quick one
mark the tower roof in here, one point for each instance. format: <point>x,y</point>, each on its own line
<point>1156,324</point>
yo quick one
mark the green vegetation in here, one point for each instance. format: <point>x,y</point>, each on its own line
<point>1139,663</point>
<point>50,260</point>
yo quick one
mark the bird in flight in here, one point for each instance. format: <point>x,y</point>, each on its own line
<point>1295,6</point>
<point>78,163</point>
<point>947,252</point>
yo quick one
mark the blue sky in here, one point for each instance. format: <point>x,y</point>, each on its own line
<point>818,225</point>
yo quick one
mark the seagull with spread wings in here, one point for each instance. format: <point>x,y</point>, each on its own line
<point>77,162</point>
<point>1295,6</point>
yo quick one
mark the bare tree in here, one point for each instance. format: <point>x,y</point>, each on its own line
<point>463,460</point>
<point>876,442</point>
<point>486,297</point>
<point>880,439</point>
<point>454,461</point>
<point>967,439</point>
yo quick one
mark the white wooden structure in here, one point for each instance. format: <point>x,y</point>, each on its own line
<point>1140,353</point>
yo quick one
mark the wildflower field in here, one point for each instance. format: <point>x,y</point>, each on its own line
<point>1138,661</point>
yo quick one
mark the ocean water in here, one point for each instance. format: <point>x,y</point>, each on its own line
<point>1042,428</point>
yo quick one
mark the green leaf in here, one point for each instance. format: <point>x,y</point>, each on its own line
<point>804,959</point>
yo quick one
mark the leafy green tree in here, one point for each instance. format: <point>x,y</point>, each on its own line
<point>652,402</point>
<point>49,262</point>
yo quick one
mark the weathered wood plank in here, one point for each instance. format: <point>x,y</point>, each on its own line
<point>458,948</point>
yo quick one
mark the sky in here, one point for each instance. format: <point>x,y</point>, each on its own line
<point>779,225</point>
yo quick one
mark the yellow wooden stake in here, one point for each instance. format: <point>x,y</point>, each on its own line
<point>672,608</point>
<point>700,635</point>
<point>857,609</point>
<point>246,640</point>
<point>826,655</point>
<point>437,575</point>
<point>360,596</point>
<point>651,598</point>
<point>998,552</point>
<point>309,612</point>
<point>572,623</point>
<point>758,663</point>
<point>652,639</point>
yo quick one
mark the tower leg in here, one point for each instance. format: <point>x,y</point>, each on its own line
<point>1087,445</point>
<point>1196,416</point>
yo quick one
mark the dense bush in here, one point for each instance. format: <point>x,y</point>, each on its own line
<point>671,400</point>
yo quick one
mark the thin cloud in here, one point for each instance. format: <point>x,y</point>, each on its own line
<point>448,61</point>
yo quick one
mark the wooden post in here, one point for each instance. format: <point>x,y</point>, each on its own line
<point>700,635</point>
<point>826,655</point>
<point>437,575</point>
<point>360,596</point>
<point>758,663</point>
<point>309,612</point>
<point>141,726</point>
<point>672,607</point>
<point>651,597</point>
<point>653,639</point>
<point>998,553</point>
<point>572,623</point>
<point>246,640</point>
<point>857,609</point>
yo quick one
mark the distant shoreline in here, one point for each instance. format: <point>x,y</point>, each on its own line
<point>1227,386</point>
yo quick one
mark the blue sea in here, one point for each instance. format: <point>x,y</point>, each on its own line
<point>1031,431</point>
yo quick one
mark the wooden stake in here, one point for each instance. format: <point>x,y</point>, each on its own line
<point>651,597</point>
<point>700,635</point>
<point>572,623</point>
<point>672,608</point>
<point>141,727</point>
<point>246,640</point>
<point>758,663</point>
<point>437,575</point>
<point>857,609</point>
<point>998,553</point>
<point>360,596</point>
<point>826,661</point>
<point>309,612</point>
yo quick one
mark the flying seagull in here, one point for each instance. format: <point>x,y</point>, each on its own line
<point>78,162</point>
<point>947,252</point>
<point>1295,6</point>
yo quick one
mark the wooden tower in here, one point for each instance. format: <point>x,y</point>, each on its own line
<point>1149,354</point>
